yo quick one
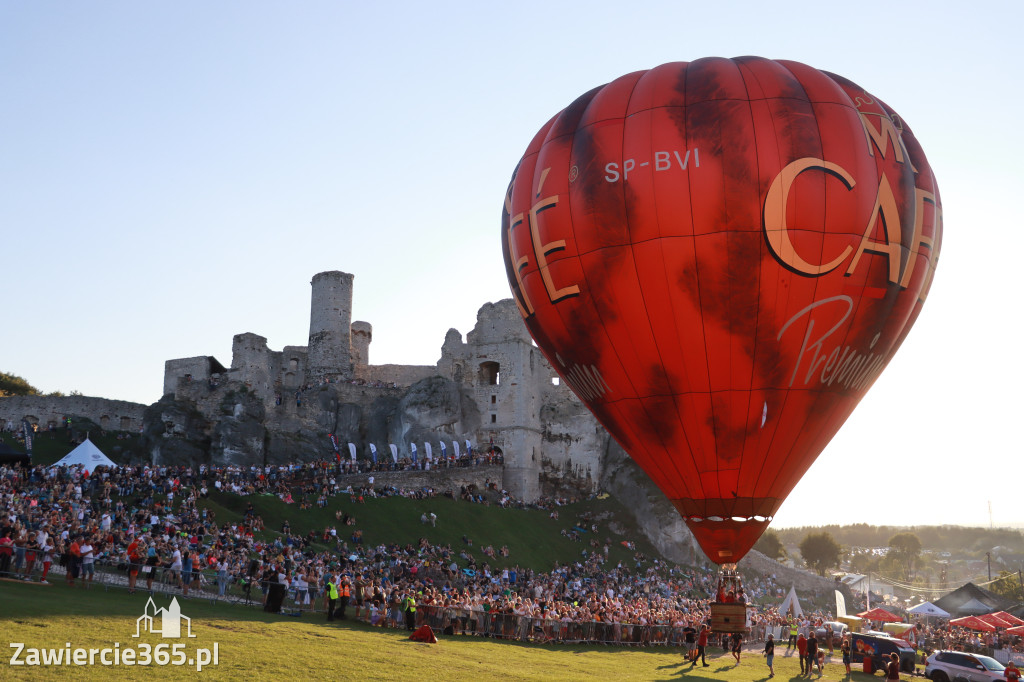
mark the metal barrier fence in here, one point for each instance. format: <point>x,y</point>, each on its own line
<point>458,621</point>
<point>447,621</point>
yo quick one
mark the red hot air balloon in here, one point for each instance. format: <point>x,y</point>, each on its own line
<point>719,258</point>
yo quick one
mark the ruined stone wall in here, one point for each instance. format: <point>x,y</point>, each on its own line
<point>252,362</point>
<point>112,415</point>
<point>439,480</point>
<point>362,336</point>
<point>291,374</point>
<point>194,369</point>
<point>401,375</point>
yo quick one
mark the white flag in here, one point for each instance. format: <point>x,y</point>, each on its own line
<point>455,444</point>
<point>352,450</point>
<point>840,605</point>
<point>394,452</point>
<point>430,454</point>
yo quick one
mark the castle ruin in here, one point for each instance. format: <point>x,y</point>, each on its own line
<point>494,389</point>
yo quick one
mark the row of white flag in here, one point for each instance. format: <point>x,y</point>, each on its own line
<point>427,449</point>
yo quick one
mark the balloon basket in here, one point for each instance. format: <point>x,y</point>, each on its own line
<point>728,617</point>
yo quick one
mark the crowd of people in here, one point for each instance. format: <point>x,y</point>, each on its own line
<point>147,527</point>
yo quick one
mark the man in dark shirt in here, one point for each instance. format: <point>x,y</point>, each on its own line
<point>769,654</point>
<point>812,653</point>
<point>690,639</point>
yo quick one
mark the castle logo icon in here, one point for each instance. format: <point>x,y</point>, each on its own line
<point>167,622</point>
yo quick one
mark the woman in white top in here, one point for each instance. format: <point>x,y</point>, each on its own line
<point>88,560</point>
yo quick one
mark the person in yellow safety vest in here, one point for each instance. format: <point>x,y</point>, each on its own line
<point>793,630</point>
<point>409,607</point>
<point>332,597</point>
<point>345,592</point>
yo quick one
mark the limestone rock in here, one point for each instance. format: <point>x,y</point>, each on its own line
<point>175,432</point>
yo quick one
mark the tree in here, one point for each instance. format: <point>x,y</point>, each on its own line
<point>1007,585</point>
<point>905,548</point>
<point>820,551</point>
<point>11,384</point>
<point>770,545</point>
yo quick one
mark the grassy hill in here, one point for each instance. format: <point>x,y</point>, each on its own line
<point>534,540</point>
<point>258,646</point>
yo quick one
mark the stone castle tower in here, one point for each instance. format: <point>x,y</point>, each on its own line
<point>330,327</point>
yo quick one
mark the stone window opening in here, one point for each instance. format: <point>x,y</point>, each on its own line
<point>494,419</point>
<point>489,373</point>
<point>494,399</point>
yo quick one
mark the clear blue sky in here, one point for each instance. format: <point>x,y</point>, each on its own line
<point>172,174</point>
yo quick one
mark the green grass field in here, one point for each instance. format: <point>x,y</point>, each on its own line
<point>534,540</point>
<point>258,646</point>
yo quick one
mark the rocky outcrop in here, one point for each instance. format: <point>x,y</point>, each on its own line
<point>175,432</point>
<point>655,515</point>
<point>239,436</point>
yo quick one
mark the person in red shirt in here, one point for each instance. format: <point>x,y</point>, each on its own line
<point>6,551</point>
<point>133,564</point>
<point>702,645</point>
<point>74,561</point>
<point>801,650</point>
<point>1011,673</point>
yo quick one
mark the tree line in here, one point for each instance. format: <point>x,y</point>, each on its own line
<point>896,553</point>
<point>958,539</point>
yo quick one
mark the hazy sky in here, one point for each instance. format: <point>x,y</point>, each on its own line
<point>172,174</point>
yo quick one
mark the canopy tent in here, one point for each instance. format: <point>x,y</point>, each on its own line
<point>1018,630</point>
<point>972,623</point>
<point>1009,618</point>
<point>791,602</point>
<point>994,619</point>
<point>88,455</point>
<point>928,609</point>
<point>880,614</point>
<point>974,607</point>
<point>970,597</point>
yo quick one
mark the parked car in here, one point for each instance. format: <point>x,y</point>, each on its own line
<point>954,666</point>
<point>878,647</point>
<point>838,630</point>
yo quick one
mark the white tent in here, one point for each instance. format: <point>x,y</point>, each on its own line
<point>928,609</point>
<point>791,602</point>
<point>88,455</point>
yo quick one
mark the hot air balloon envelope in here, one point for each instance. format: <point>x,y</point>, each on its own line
<point>719,258</point>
